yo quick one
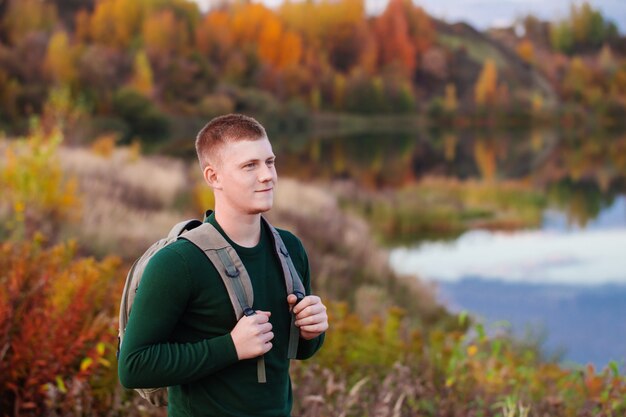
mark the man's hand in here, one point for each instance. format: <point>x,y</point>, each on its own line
<point>310,314</point>
<point>252,335</point>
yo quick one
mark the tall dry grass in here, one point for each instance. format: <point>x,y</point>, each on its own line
<point>128,202</point>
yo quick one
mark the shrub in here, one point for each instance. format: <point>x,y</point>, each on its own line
<point>36,195</point>
<point>215,105</point>
<point>55,324</point>
<point>142,117</point>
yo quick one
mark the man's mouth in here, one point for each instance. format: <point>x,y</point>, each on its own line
<point>263,191</point>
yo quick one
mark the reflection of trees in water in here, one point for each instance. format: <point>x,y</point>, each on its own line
<point>543,157</point>
<point>582,201</point>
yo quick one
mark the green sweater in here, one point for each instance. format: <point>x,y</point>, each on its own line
<point>178,333</point>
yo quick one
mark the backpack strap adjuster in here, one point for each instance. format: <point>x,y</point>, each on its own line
<point>232,272</point>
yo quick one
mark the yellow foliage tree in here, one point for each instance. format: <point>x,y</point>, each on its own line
<point>316,21</point>
<point>485,157</point>
<point>61,59</point>
<point>487,84</point>
<point>450,102</point>
<point>36,196</point>
<point>577,79</point>
<point>339,91</point>
<point>142,80</point>
<point>117,22</point>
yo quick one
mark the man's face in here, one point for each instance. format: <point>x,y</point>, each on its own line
<point>246,176</point>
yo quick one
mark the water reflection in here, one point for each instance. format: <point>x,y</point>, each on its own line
<point>557,254</point>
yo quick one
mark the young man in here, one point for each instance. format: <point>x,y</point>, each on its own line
<point>183,332</point>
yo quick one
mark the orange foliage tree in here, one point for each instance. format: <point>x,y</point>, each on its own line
<point>164,34</point>
<point>214,38</point>
<point>526,51</point>
<point>395,45</point>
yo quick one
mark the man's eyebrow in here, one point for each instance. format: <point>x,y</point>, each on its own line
<point>247,161</point>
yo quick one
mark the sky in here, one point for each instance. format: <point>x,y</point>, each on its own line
<point>483,14</point>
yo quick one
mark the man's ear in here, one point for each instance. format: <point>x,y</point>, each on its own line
<point>211,177</point>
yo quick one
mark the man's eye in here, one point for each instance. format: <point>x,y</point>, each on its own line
<point>271,162</point>
<point>250,165</point>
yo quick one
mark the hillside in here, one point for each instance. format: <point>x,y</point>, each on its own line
<point>147,73</point>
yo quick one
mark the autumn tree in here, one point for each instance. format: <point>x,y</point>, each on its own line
<point>25,16</point>
<point>278,47</point>
<point>585,28</point>
<point>526,50</point>
<point>142,80</point>
<point>577,80</point>
<point>117,22</point>
<point>214,38</point>
<point>450,101</point>
<point>337,31</point>
<point>486,86</point>
<point>421,28</point>
<point>61,59</point>
<point>485,159</point>
<point>164,35</point>
<point>395,46</point>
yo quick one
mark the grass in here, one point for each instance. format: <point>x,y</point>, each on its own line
<point>437,207</point>
<point>478,51</point>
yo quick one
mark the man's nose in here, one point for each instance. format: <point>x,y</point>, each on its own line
<point>266,174</point>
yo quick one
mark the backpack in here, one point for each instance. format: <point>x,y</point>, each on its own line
<point>233,273</point>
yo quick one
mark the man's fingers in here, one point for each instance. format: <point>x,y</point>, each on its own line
<point>312,319</point>
<point>315,328</point>
<point>261,316</point>
<point>265,327</point>
<point>311,310</point>
<point>306,301</point>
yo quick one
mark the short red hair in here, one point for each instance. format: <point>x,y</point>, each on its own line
<point>225,129</point>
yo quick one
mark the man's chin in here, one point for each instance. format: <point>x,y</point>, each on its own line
<point>261,209</point>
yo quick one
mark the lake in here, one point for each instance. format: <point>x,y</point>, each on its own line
<point>564,286</point>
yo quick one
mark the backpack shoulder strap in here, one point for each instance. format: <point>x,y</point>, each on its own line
<point>179,228</point>
<point>293,283</point>
<point>228,265</point>
<point>233,274</point>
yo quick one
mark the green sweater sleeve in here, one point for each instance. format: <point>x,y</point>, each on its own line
<point>148,357</point>
<point>307,348</point>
